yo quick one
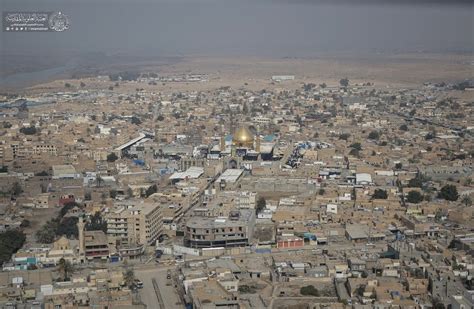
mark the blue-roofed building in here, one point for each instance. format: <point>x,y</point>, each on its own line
<point>269,138</point>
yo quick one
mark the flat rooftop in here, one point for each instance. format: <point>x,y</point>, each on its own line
<point>63,170</point>
<point>230,175</point>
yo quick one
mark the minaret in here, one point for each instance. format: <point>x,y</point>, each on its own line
<point>257,140</point>
<point>156,133</point>
<point>222,145</point>
<point>80,228</point>
<point>232,124</point>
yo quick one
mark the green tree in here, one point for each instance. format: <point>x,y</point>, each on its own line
<point>398,166</point>
<point>113,193</point>
<point>438,304</point>
<point>261,204</point>
<point>356,146</point>
<point>66,208</point>
<point>414,197</point>
<point>65,268</point>
<point>96,223</point>
<point>360,290</point>
<point>31,130</point>
<point>403,127</point>
<point>449,193</point>
<point>151,190</point>
<point>16,189</point>
<point>10,242</point>
<point>344,136</point>
<point>99,180</point>
<point>375,135</point>
<point>68,227</point>
<point>466,200</point>
<point>418,181</point>
<point>309,290</point>
<point>112,157</point>
<point>129,277</point>
<point>25,223</point>
<point>380,194</point>
<point>354,152</point>
<point>135,120</point>
<point>344,82</point>
<point>47,233</point>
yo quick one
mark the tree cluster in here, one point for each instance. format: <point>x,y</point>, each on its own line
<point>344,82</point>
<point>96,223</point>
<point>59,226</point>
<point>112,157</point>
<point>309,290</point>
<point>10,242</point>
<point>380,194</point>
<point>29,130</point>
<point>449,193</point>
<point>414,197</point>
<point>418,181</point>
<point>261,204</point>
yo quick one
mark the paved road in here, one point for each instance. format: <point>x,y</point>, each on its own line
<point>168,293</point>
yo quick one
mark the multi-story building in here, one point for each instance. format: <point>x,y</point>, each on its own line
<point>236,230</point>
<point>44,148</point>
<point>96,245</point>
<point>92,244</point>
<point>135,224</point>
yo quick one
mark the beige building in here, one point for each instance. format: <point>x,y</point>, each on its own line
<point>209,232</point>
<point>135,224</point>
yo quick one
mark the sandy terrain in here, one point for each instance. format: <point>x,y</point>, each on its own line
<point>255,73</point>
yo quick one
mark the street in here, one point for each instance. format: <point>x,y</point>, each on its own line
<point>168,293</point>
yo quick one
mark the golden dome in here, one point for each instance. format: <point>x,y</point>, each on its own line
<point>242,136</point>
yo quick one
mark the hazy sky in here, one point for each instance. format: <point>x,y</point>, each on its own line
<point>244,27</point>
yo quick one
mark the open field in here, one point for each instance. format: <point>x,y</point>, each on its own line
<point>255,73</point>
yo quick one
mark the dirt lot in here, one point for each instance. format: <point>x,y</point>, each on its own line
<point>255,73</point>
<point>37,219</point>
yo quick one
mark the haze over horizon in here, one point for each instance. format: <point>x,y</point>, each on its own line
<point>249,28</point>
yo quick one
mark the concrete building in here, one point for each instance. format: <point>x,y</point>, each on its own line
<point>233,231</point>
<point>64,172</point>
<point>135,224</point>
<point>96,245</point>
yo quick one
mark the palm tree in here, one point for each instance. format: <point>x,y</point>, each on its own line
<point>65,268</point>
<point>466,200</point>
<point>129,277</point>
<point>98,180</point>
